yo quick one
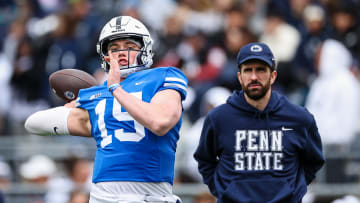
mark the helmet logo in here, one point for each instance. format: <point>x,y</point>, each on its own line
<point>256,48</point>
<point>118,24</point>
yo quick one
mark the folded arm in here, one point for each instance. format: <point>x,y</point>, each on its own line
<point>312,155</point>
<point>206,155</point>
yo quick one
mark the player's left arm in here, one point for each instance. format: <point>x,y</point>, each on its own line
<point>160,115</point>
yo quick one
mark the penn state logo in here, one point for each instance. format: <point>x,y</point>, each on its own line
<point>69,95</point>
<point>256,48</point>
<point>259,150</point>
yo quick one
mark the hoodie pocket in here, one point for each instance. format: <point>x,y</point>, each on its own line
<point>258,191</point>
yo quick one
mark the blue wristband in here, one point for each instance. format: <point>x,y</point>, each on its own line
<point>113,87</point>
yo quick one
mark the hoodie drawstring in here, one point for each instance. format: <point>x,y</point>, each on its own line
<point>258,114</point>
<point>267,122</point>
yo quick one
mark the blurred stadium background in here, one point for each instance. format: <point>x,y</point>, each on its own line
<point>202,38</point>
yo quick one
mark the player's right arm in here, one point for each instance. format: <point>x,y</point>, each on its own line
<point>79,122</point>
<point>63,120</point>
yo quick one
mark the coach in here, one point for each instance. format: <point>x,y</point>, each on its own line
<point>258,147</point>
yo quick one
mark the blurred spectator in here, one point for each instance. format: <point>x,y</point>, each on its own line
<point>38,170</point>
<point>291,11</point>
<point>303,64</point>
<point>334,100</point>
<point>335,90</point>
<point>61,48</point>
<point>16,33</point>
<point>5,175</point>
<point>235,18</point>
<point>191,53</point>
<point>8,13</point>
<point>255,14</point>
<point>203,15</point>
<point>27,87</point>
<point>87,30</point>
<point>48,7</point>
<point>314,18</point>
<point>78,196</point>
<point>219,68</point>
<point>280,36</point>
<point>297,8</point>
<point>345,21</point>
<point>77,177</point>
<point>211,68</point>
<point>162,8</point>
<point>65,51</point>
<point>235,37</point>
<point>188,170</point>
<point>284,40</point>
<point>22,80</point>
<point>315,22</point>
<point>170,37</point>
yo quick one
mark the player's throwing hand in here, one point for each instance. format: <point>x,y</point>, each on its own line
<point>114,72</point>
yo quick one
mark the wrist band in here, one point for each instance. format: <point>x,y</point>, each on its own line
<point>113,87</point>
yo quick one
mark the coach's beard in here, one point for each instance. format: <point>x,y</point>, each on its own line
<point>259,93</point>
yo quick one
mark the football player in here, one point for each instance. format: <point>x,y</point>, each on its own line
<point>135,117</point>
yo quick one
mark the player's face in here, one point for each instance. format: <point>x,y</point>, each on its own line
<point>124,51</point>
<point>256,79</point>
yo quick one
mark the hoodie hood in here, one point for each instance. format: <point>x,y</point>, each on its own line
<point>334,59</point>
<point>237,100</point>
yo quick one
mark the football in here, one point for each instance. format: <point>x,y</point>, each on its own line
<point>66,83</point>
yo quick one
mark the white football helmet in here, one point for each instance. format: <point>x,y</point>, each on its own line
<point>126,27</point>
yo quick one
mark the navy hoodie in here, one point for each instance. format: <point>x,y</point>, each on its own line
<point>251,156</point>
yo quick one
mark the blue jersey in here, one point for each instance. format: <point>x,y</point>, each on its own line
<point>126,150</point>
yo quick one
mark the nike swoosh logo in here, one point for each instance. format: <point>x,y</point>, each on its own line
<point>286,129</point>
<point>55,130</point>
<point>138,83</point>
